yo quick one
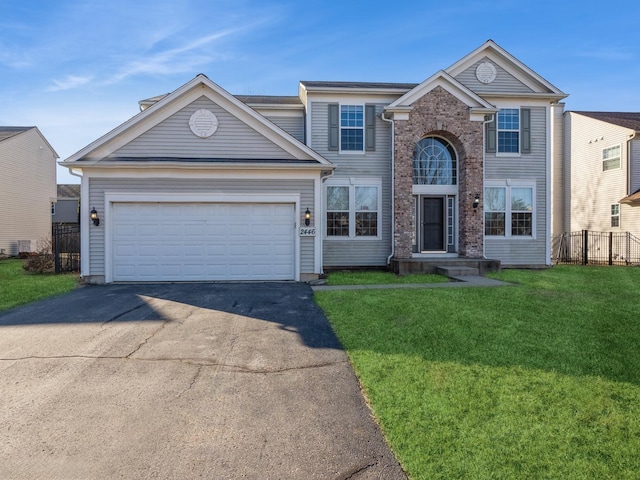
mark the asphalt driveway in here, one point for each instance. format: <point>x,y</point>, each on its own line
<point>182,381</point>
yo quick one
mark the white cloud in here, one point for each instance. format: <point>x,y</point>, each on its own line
<point>175,60</point>
<point>70,82</point>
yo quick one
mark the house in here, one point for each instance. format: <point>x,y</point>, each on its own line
<point>599,185</point>
<point>27,188</point>
<point>66,209</point>
<point>204,185</point>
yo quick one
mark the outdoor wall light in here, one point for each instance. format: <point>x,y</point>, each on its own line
<point>94,217</point>
<point>476,201</point>
<point>307,217</point>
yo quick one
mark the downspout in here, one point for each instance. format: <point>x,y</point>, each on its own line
<point>323,219</point>
<point>484,160</point>
<point>393,183</point>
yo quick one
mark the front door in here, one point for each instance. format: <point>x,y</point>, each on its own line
<point>433,224</point>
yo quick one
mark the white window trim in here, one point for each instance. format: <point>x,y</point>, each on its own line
<point>508,185</point>
<point>612,216</point>
<point>602,160</point>
<point>509,154</point>
<point>364,119</point>
<point>352,183</point>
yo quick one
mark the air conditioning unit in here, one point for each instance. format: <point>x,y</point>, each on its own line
<point>27,246</point>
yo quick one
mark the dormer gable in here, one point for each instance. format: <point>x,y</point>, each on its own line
<point>478,107</point>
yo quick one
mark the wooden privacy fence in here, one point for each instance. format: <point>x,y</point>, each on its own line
<point>596,248</point>
<point>65,241</point>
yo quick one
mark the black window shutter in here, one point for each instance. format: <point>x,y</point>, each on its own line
<point>334,127</point>
<point>491,135</point>
<point>370,127</point>
<point>525,129</point>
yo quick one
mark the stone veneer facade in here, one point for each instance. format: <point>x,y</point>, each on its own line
<point>442,114</point>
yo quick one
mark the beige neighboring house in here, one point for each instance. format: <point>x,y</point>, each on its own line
<point>27,188</point>
<point>598,188</point>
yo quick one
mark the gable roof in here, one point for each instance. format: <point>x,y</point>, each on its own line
<point>451,85</point>
<point>169,104</point>
<point>8,132</point>
<point>511,64</point>
<point>622,119</point>
<point>68,191</point>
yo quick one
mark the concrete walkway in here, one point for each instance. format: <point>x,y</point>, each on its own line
<point>457,282</point>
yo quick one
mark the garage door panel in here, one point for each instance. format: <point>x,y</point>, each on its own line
<point>203,241</point>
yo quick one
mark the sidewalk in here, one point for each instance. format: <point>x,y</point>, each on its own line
<point>457,282</point>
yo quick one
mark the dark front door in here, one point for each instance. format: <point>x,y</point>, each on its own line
<point>433,224</point>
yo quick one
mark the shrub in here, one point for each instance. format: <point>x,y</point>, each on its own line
<point>41,261</point>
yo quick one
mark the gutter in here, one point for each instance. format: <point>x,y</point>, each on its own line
<point>484,161</point>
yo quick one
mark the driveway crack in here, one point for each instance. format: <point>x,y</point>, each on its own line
<point>193,380</point>
<point>144,342</point>
<point>359,470</point>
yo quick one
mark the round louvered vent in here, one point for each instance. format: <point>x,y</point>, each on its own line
<point>203,123</point>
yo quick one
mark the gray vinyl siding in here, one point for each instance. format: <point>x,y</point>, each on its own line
<point>634,166</point>
<point>98,187</point>
<point>173,138</point>
<point>529,167</point>
<point>66,210</point>
<point>371,164</point>
<point>27,188</point>
<point>294,126</point>
<point>504,82</point>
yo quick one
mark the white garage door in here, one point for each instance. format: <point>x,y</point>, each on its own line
<point>202,241</point>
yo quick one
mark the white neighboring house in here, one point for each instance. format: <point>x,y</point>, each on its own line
<point>27,187</point>
<point>600,187</point>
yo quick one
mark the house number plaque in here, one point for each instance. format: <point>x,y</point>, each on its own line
<point>307,231</point>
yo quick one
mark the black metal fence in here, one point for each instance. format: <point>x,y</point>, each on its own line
<point>65,241</point>
<point>596,248</point>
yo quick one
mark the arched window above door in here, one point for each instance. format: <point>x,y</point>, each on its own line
<point>434,162</point>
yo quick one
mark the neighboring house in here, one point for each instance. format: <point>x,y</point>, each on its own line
<point>204,185</point>
<point>27,188</point>
<point>599,188</point>
<point>66,208</point>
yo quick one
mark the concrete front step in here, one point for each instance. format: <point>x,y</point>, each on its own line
<point>457,271</point>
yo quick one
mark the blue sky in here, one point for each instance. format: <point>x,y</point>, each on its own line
<point>77,68</point>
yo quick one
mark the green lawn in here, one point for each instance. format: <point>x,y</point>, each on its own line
<point>536,380</point>
<point>18,287</point>
<point>379,278</point>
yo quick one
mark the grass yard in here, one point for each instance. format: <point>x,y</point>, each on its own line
<point>536,380</point>
<point>380,278</point>
<point>18,287</point>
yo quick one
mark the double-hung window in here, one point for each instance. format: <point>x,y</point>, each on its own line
<point>509,211</point>
<point>353,210</point>
<point>352,128</point>
<point>615,215</point>
<point>611,158</point>
<point>510,132</point>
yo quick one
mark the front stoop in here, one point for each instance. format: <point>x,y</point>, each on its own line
<point>457,271</point>
<point>482,266</point>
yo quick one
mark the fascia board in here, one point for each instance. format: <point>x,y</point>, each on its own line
<point>539,97</point>
<point>168,165</point>
<point>508,62</point>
